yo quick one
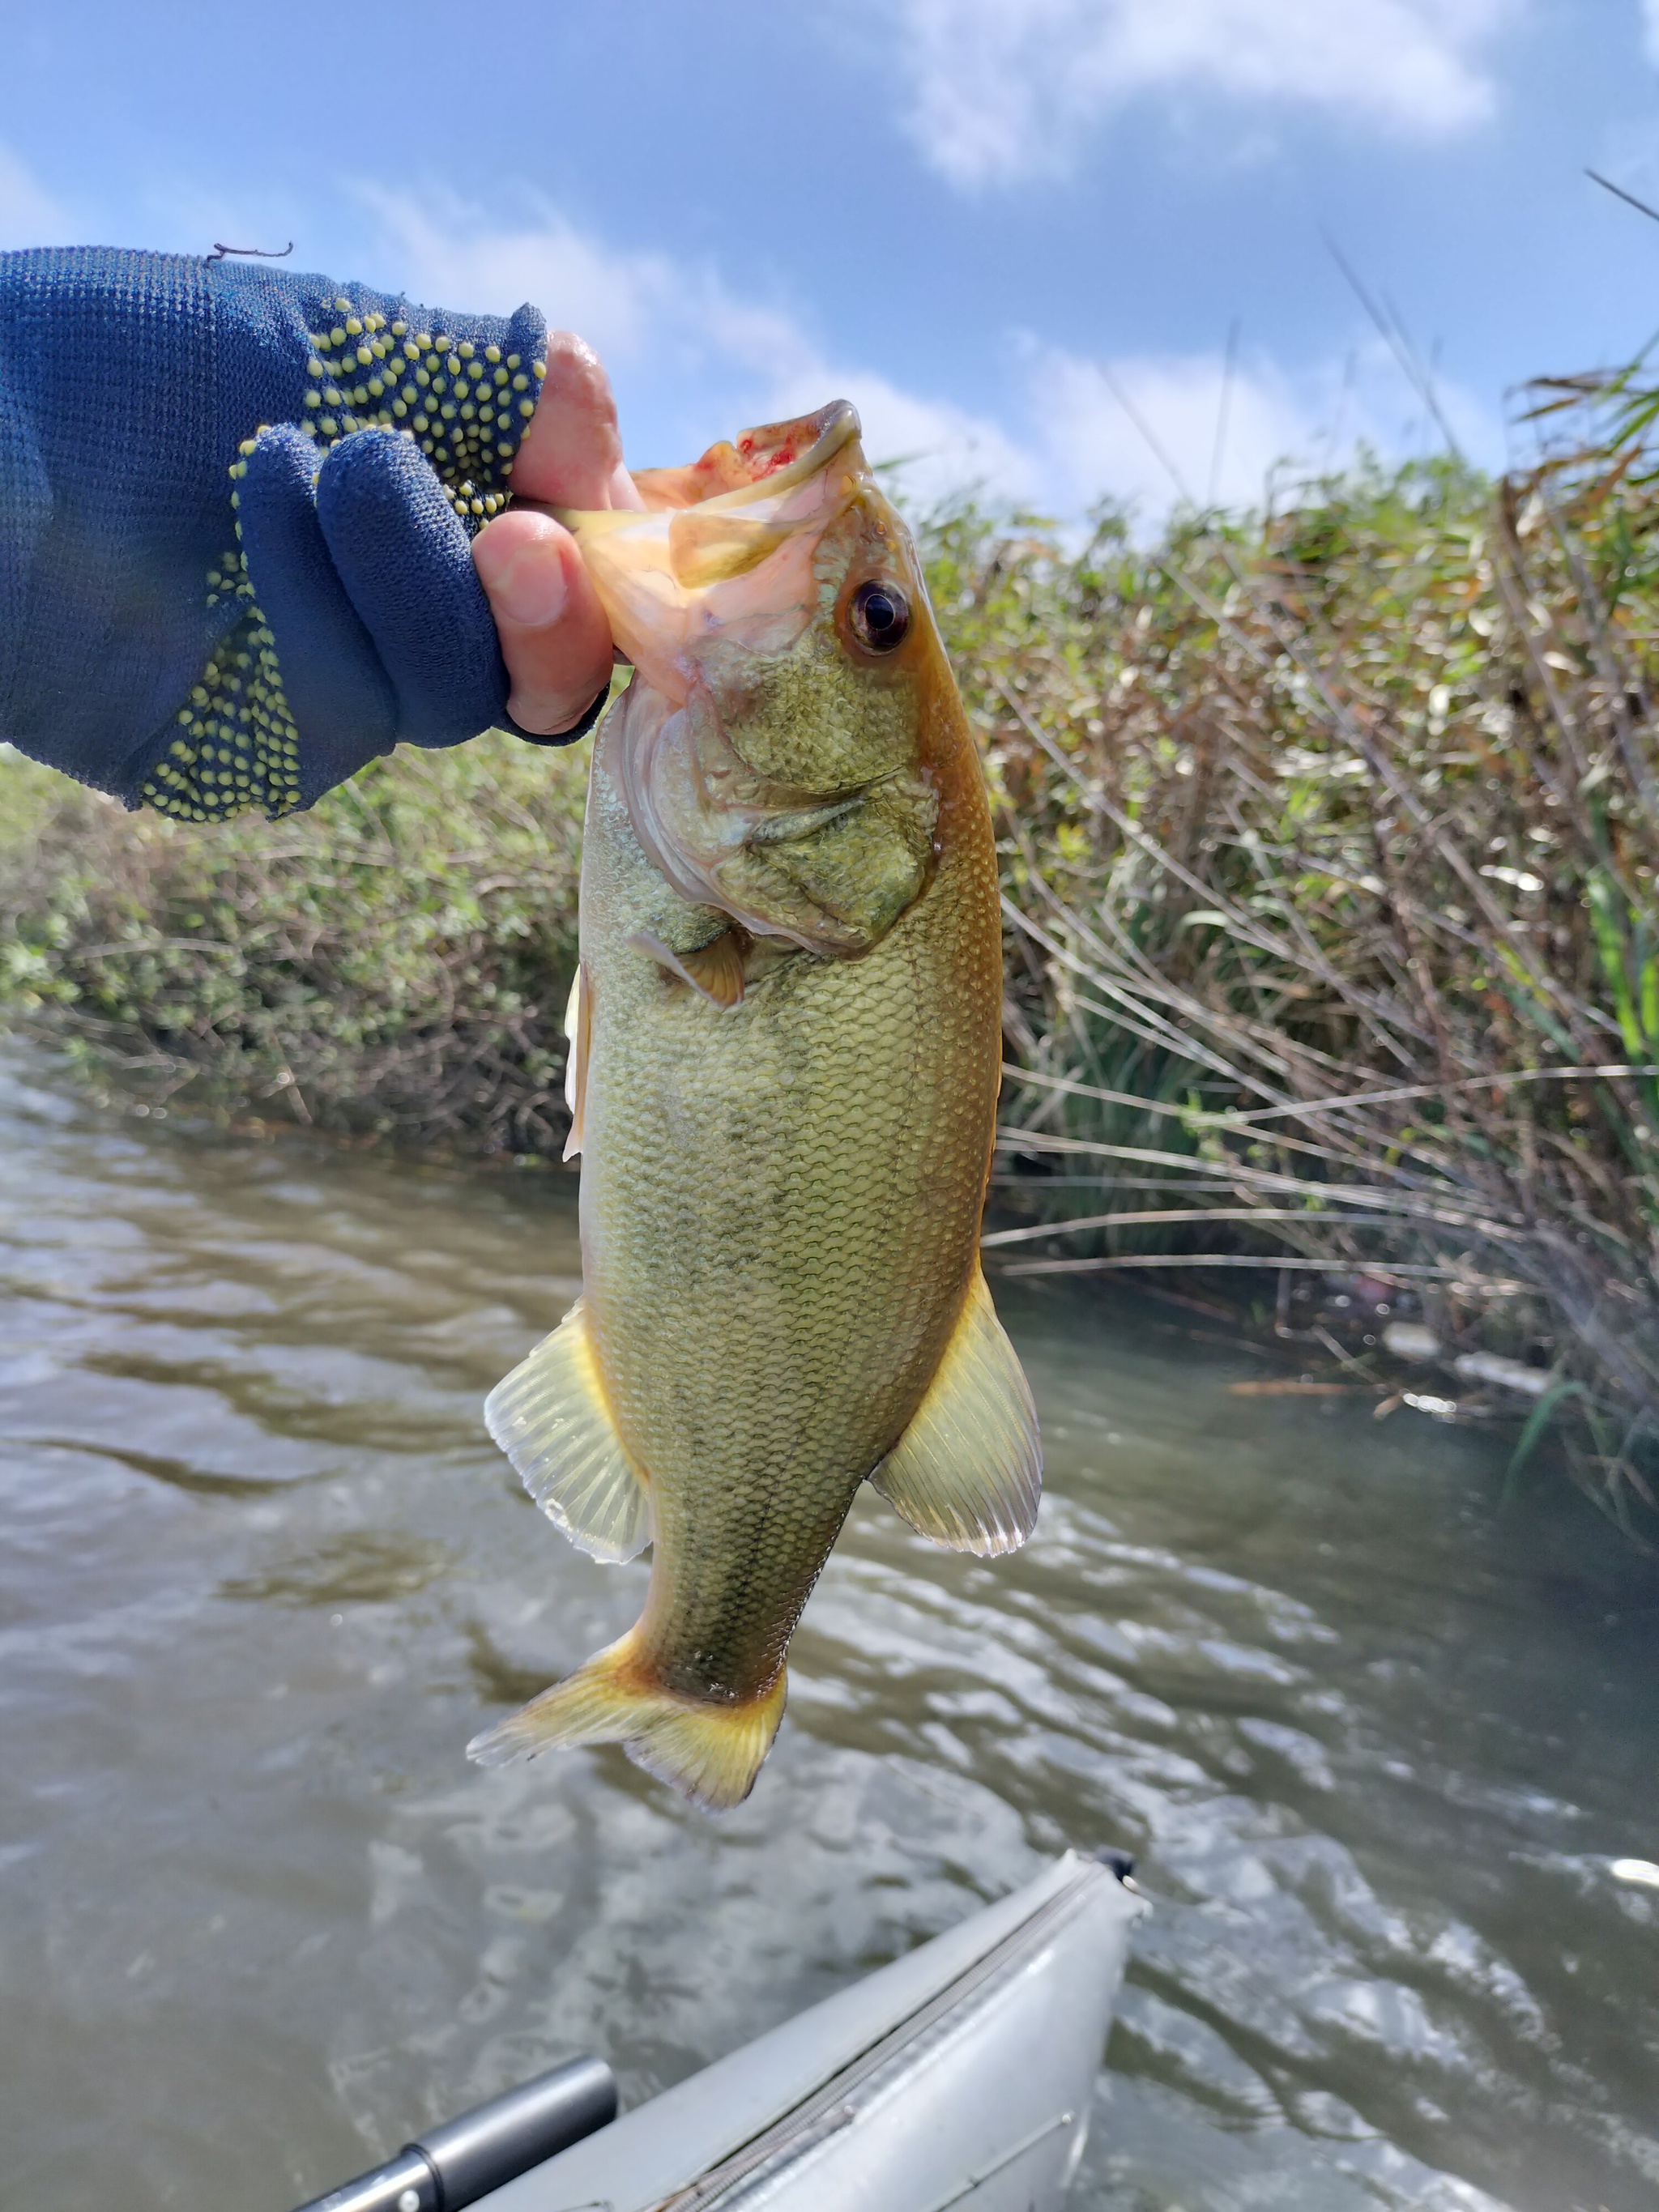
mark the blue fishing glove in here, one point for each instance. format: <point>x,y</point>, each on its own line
<point>235,512</point>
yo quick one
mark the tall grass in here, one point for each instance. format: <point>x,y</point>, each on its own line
<point>1332,931</point>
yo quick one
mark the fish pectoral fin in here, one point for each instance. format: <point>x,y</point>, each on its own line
<point>715,969</point>
<point>579,1031</point>
<point>712,1752</point>
<point>551,1417</point>
<point>766,954</point>
<point>968,1472</point>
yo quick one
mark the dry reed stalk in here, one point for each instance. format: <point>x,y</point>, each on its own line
<point>1330,862</point>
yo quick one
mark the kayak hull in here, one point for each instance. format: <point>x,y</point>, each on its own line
<point>960,2075</point>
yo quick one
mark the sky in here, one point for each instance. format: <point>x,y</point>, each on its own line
<point>1058,251</point>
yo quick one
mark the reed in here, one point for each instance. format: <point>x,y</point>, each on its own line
<point>1330,845</point>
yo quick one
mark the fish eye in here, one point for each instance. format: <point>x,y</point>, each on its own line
<point>880,617</point>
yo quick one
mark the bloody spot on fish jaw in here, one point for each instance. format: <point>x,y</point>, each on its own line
<point>781,456</point>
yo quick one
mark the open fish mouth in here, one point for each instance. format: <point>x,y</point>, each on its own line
<point>675,572</point>
<point>760,462</point>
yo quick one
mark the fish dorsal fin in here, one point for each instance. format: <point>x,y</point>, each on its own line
<point>579,1029</point>
<point>551,1417</point>
<point>968,1472</point>
<point>715,969</point>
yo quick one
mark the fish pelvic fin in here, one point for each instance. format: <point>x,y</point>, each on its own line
<point>550,1416</point>
<point>710,1753</point>
<point>968,1472</point>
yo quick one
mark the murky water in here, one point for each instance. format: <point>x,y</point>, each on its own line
<point>262,1574</point>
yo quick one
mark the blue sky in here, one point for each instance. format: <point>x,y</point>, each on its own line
<point>988,222</point>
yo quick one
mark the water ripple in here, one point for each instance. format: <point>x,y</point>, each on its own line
<point>262,1574</point>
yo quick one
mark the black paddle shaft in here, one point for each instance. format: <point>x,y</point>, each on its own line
<point>454,2166</point>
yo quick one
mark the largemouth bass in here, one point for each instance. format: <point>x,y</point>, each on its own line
<point>786,1043</point>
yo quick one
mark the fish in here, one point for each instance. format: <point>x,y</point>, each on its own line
<point>785,1058</point>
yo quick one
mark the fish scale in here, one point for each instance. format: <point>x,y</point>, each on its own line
<point>785,1324</point>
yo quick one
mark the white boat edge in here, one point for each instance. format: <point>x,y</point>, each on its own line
<point>960,2075</point>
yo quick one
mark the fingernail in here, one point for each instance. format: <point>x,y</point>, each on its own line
<point>530,589</point>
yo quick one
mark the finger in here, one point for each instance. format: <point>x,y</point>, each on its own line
<point>571,455</point>
<point>336,684</point>
<point>555,638</point>
<point>399,549</point>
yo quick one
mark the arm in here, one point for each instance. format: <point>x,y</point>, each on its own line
<point>237,509</point>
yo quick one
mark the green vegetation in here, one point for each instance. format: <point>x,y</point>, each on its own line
<point>395,961</point>
<point>1330,843</point>
<point>1334,925</point>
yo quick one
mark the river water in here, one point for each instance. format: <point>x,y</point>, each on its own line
<point>1375,1741</point>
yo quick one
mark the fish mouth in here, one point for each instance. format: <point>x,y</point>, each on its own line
<point>764,463</point>
<point>778,456</point>
<point>713,579</point>
<point>724,542</point>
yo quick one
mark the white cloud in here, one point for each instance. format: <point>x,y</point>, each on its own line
<point>622,302</point>
<point>29,215</point>
<point>1004,89</point>
<point>658,323</point>
<point>1148,430</point>
<point>694,361</point>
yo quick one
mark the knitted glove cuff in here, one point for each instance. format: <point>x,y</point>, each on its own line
<point>578,729</point>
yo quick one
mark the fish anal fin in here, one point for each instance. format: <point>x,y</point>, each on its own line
<point>551,1417</point>
<point>715,969</point>
<point>968,1471</point>
<point>710,1753</point>
<point>579,1029</point>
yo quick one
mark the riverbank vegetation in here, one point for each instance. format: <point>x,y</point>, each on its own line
<point>393,964</point>
<point>1334,929</point>
<point>1330,841</point>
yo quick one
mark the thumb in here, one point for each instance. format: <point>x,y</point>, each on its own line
<point>554,635</point>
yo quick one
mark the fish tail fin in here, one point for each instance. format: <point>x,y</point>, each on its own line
<point>710,1753</point>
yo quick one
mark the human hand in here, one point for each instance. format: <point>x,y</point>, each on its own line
<point>249,541</point>
<point>554,635</point>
